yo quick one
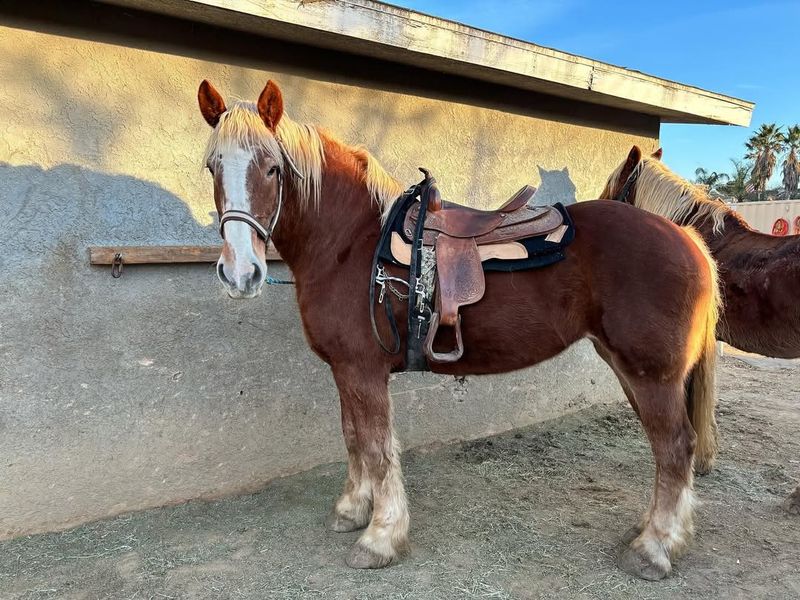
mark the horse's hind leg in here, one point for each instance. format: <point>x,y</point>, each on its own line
<point>353,509</point>
<point>667,526</point>
<point>366,394</point>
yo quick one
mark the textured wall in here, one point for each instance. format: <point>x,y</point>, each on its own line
<point>151,389</point>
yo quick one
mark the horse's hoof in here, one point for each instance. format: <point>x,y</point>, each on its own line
<point>792,503</point>
<point>636,562</point>
<point>341,524</point>
<point>361,557</point>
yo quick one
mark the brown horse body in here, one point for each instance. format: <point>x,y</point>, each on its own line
<point>760,279</point>
<point>652,317</point>
<point>759,273</point>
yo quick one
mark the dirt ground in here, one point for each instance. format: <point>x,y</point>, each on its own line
<point>536,513</point>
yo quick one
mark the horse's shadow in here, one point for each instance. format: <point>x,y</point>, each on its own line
<point>60,211</point>
<point>556,186</point>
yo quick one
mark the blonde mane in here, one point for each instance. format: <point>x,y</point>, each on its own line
<point>241,127</point>
<point>660,191</point>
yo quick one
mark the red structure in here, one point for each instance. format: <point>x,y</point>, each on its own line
<point>781,226</point>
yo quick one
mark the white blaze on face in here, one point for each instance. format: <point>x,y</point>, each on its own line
<point>238,235</point>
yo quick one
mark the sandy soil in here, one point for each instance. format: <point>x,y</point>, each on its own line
<point>536,513</point>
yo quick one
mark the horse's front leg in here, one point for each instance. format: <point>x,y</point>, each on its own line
<point>365,397</point>
<point>353,509</point>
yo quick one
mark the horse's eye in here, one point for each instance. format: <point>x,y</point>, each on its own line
<point>272,171</point>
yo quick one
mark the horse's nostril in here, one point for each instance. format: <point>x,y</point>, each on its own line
<point>221,273</point>
<point>258,275</point>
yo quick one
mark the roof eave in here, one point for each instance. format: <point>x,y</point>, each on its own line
<point>404,36</point>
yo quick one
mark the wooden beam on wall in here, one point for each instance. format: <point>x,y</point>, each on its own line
<point>144,255</point>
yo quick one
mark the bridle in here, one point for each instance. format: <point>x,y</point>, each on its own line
<point>265,233</point>
<point>622,195</point>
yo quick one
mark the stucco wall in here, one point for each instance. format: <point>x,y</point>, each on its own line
<point>155,388</point>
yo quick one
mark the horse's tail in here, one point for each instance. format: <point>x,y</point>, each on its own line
<point>701,393</point>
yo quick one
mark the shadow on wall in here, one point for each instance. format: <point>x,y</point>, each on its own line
<point>58,212</point>
<point>556,186</point>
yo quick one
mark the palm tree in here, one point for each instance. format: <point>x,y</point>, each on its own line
<point>791,164</point>
<point>763,148</point>
<point>711,180</point>
<point>738,180</point>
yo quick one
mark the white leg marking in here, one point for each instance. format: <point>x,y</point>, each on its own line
<point>674,528</point>
<point>355,503</point>
<point>387,534</point>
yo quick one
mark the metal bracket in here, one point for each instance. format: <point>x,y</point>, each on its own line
<point>116,266</point>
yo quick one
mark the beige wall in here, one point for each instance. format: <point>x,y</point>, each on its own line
<point>107,106</point>
<point>121,394</point>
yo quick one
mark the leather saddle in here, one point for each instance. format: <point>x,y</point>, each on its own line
<point>464,237</point>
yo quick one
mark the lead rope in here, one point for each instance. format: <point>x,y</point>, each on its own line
<point>270,280</point>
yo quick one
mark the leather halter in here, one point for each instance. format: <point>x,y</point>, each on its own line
<point>265,233</point>
<point>623,194</point>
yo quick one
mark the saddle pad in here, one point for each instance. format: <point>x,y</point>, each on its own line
<point>541,252</point>
<point>460,276</point>
<point>401,251</point>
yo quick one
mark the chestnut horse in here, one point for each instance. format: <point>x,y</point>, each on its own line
<point>652,315</point>
<point>759,273</point>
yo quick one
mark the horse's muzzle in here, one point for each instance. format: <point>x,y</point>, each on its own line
<point>241,283</point>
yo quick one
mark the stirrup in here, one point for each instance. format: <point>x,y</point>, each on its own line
<point>443,357</point>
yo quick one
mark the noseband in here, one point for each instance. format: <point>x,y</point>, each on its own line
<point>265,233</point>
<point>623,194</point>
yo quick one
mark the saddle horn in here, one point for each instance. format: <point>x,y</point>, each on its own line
<point>434,196</point>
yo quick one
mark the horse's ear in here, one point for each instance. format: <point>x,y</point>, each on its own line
<point>270,105</point>
<point>211,103</point>
<point>634,158</point>
<point>657,154</point>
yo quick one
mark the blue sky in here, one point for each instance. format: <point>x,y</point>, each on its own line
<point>744,49</point>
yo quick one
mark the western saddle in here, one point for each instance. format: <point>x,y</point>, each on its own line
<point>463,238</point>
